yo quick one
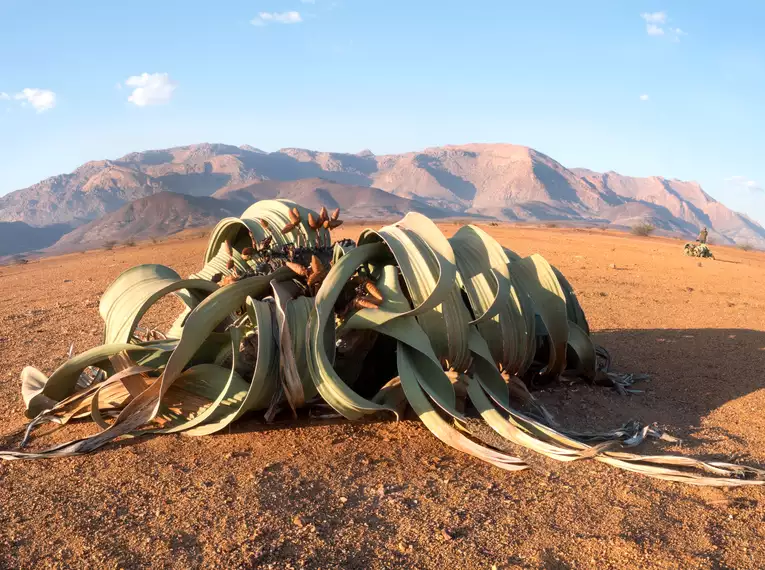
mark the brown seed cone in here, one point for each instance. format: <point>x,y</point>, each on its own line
<point>266,242</point>
<point>247,253</point>
<point>334,223</point>
<point>323,215</point>
<point>263,223</point>
<point>365,303</point>
<point>230,264</point>
<point>313,222</point>
<point>228,280</point>
<point>297,268</point>
<point>326,223</point>
<point>317,278</point>
<point>295,216</point>
<point>288,228</point>
<point>316,265</point>
<point>335,214</point>
<point>373,291</point>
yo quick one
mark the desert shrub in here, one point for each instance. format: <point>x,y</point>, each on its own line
<point>109,244</point>
<point>417,353</point>
<point>644,229</point>
<point>494,224</point>
<point>19,260</point>
<point>130,242</point>
<point>551,225</point>
<point>746,246</point>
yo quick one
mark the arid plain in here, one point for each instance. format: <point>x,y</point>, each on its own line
<point>335,494</point>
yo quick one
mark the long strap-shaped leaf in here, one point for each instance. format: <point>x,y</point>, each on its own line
<point>42,393</point>
<point>539,281</point>
<point>483,272</point>
<point>328,384</point>
<point>134,291</point>
<point>142,409</point>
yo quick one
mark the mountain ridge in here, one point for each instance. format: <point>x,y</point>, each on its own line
<point>502,181</point>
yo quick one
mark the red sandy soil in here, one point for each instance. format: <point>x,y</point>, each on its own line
<point>336,494</point>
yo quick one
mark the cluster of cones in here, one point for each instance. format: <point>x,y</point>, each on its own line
<point>263,254</point>
<point>326,221</point>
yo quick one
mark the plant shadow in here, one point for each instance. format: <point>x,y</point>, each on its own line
<point>694,372</point>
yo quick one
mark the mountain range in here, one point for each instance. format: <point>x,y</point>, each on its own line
<point>158,192</point>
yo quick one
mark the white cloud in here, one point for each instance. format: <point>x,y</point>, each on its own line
<point>4,96</point>
<point>743,182</point>
<point>654,17</point>
<point>41,99</point>
<point>265,18</point>
<point>151,89</point>
<point>656,25</point>
<point>654,30</point>
<point>644,97</point>
<point>676,34</point>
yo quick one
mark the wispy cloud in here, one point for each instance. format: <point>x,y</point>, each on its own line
<point>40,99</point>
<point>4,96</point>
<point>744,183</point>
<point>265,18</point>
<point>644,97</point>
<point>656,24</point>
<point>151,89</point>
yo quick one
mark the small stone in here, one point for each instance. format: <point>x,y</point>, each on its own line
<point>297,522</point>
<point>343,500</point>
<point>446,535</point>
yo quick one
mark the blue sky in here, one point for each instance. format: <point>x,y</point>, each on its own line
<point>643,88</point>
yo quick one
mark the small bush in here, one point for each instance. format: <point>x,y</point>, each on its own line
<point>644,229</point>
<point>494,224</point>
<point>108,245</point>
<point>155,240</point>
<point>746,246</point>
<point>551,225</point>
<point>20,260</point>
<point>130,242</point>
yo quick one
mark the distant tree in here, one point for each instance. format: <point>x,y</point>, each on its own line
<point>130,242</point>
<point>644,229</point>
<point>109,244</point>
<point>19,259</point>
<point>746,246</point>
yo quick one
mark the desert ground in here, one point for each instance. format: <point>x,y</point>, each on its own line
<point>335,494</point>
